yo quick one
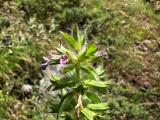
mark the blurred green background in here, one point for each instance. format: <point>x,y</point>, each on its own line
<point>129,30</point>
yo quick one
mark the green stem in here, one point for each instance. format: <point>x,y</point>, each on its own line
<point>78,73</point>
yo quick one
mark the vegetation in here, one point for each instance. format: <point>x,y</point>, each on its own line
<point>79,73</point>
<point>126,30</point>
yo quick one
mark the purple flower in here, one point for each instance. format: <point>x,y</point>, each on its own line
<point>64,59</point>
<point>44,66</point>
<point>44,63</point>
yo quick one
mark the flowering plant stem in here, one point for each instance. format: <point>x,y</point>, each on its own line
<point>79,105</point>
<point>80,75</point>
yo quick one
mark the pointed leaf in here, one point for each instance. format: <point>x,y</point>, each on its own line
<point>81,39</point>
<point>93,97</point>
<point>69,39</point>
<point>54,62</point>
<point>88,114</point>
<point>82,53</point>
<point>94,83</point>
<point>78,36</point>
<point>74,31</point>
<point>61,102</point>
<point>91,71</point>
<point>99,106</point>
<point>68,117</point>
<point>91,50</point>
<point>99,70</point>
<point>62,49</point>
<point>53,105</point>
<point>68,68</point>
<point>55,78</point>
<point>69,104</point>
<point>66,81</point>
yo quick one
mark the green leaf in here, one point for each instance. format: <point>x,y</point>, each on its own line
<point>91,50</point>
<point>54,62</point>
<point>66,81</point>
<point>69,39</point>
<point>80,88</point>
<point>81,39</point>
<point>98,106</point>
<point>71,56</point>
<point>68,68</point>
<point>53,104</point>
<point>90,70</point>
<point>82,53</point>
<point>61,102</point>
<point>99,70</point>
<point>78,36</point>
<point>69,104</point>
<point>92,96</point>
<point>68,117</point>
<point>74,31</point>
<point>88,114</point>
<point>55,78</point>
<point>62,49</point>
<point>98,84</point>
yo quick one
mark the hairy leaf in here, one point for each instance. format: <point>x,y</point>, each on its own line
<point>98,106</point>
<point>68,68</point>
<point>69,39</point>
<point>91,50</point>
<point>62,49</point>
<point>88,114</point>
<point>94,83</point>
<point>92,96</point>
<point>66,81</point>
<point>81,40</point>
<point>90,70</point>
<point>61,102</point>
<point>82,53</point>
<point>100,71</point>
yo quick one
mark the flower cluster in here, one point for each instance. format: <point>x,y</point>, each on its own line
<point>62,61</point>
